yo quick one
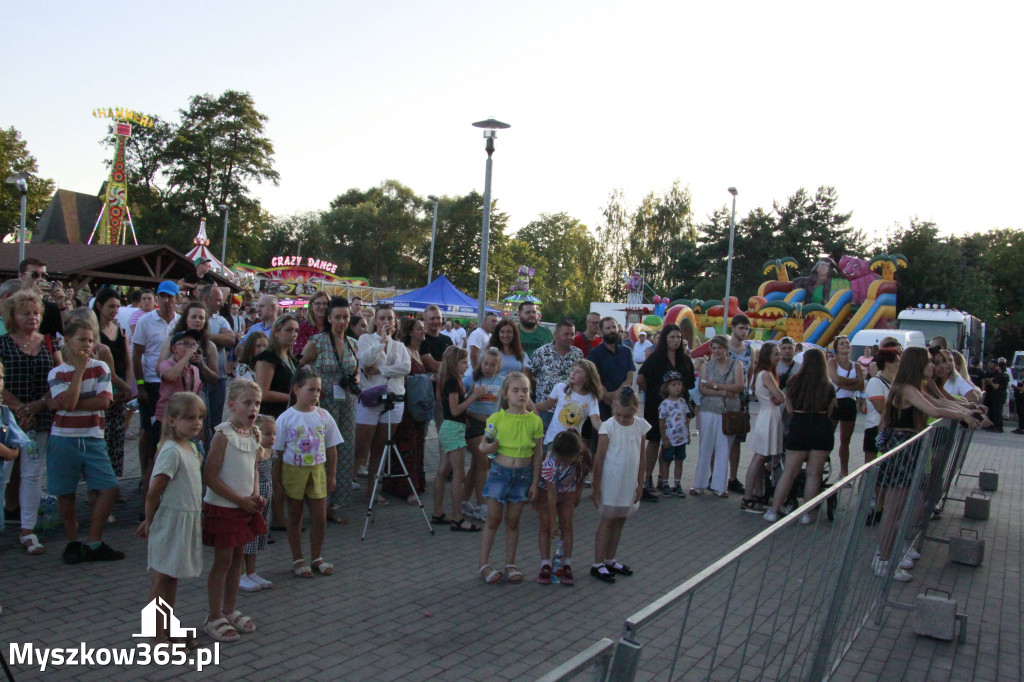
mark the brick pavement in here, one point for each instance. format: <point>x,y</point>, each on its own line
<point>407,605</point>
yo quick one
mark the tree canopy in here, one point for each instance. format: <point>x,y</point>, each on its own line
<point>15,158</point>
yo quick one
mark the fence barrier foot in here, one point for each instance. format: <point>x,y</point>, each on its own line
<point>625,660</point>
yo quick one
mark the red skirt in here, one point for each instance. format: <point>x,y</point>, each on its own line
<point>230,526</point>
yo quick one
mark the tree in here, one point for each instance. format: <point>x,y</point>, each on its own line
<point>379,234</point>
<point>15,158</point>
<point>933,265</point>
<point>613,236</point>
<point>660,228</point>
<point>564,256</point>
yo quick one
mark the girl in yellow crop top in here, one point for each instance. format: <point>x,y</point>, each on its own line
<point>515,472</point>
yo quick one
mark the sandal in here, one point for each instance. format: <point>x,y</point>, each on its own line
<point>443,518</point>
<point>491,576</point>
<point>243,624</point>
<point>724,494</point>
<point>32,545</point>
<point>696,491</point>
<point>220,630</point>
<point>460,527</point>
<point>189,642</point>
<point>334,515</point>
<point>322,567</point>
<point>412,501</point>
<point>301,570</point>
<point>515,576</point>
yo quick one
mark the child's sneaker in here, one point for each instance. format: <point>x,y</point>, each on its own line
<point>677,490</point>
<point>665,488</point>
<point>262,582</point>
<point>102,553</point>
<point>544,578</point>
<point>247,584</point>
<point>567,578</point>
<point>72,553</point>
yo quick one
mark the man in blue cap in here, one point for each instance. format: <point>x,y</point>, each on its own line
<point>150,332</point>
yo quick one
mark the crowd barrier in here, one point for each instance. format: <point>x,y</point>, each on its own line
<point>789,602</point>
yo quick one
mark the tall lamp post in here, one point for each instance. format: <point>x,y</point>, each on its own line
<point>224,242</point>
<point>20,180</point>
<point>728,269</point>
<point>491,128</point>
<point>433,235</point>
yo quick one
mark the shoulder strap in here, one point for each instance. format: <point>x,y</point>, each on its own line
<point>49,344</point>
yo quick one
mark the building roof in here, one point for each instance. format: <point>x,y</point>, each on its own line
<point>69,218</point>
<point>83,264</point>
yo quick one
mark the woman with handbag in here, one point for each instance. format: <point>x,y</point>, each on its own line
<point>332,355</point>
<point>810,397</point>
<point>766,436</point>
<point>721,383</point>
<point>384,363</point>
<point>410,435</point>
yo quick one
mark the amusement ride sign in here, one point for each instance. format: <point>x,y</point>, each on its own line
<point>299,261</point>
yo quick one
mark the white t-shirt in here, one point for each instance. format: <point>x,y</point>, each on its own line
<point>876,388</point>
<point>459,337</point>
<point>956,385</point>
<point>150,332</point>
<point>570,411</point>
<point>304,437</point>
<point>479,338</point>
<point>217,325</point>
<point>640,350</point>
<point>124,314</point>
<point>450,333</point>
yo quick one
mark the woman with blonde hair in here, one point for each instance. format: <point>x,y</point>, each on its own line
<point>313,322</point>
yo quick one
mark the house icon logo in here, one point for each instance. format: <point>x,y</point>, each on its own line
<point>159,615</point>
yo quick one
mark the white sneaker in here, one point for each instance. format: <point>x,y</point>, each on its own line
<point>262,582</point>
<point>913,554</point>
<point>247,584</point>
<point>356,486</point>
<point>907,563</point>
<point>362,472</point>
<point>805,519</point>
<point>481,512</point>
<point>902,576</point>
<point>770,516</point>
<point>468,509</point>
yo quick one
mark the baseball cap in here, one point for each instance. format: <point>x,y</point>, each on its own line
<point>672,375</point>
<point>192,333</point>
<point>201,260</point>
<point>641,333</point>
<point>168,287</point>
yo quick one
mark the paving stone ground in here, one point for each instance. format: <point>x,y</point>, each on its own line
<point>407,605</point>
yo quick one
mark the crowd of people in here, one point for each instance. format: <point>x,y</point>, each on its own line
<point>252,417</point>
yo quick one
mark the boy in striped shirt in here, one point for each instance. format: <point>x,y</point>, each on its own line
<point>82,390</point>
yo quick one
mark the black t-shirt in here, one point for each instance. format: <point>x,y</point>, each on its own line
<point>280,382</point>
<point>451,385</point>
<point>435,345</point>
<point>52,322</point>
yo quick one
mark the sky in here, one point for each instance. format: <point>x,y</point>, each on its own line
<point>910,109</point>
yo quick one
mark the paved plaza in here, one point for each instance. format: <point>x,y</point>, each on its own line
<point>407,605</point>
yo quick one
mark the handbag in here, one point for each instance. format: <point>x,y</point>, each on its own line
<point>373,397</point>
<point>736,423</point>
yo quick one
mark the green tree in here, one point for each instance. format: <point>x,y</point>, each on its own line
<point>660,228</point>
<point>933,265</point>
<point>15,158</point>
<point>379,233</point>
<point>566,264</point>
<point>613,236</point>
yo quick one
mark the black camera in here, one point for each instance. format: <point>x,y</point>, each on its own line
<point>351,384</point>
<point>393,398</point>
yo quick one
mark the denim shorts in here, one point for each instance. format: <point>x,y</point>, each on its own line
<point>673,453</point>
<point>508,485</point>
<point>68,459</point>
<point>451,436</point>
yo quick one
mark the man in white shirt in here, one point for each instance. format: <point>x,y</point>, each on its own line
<point>150,332</point>
<point>267,308</point>
<point>450,332</point>
<point>458,334</point>
<point>124,313</point>
<point>479,339</point>
<point>640,348</point>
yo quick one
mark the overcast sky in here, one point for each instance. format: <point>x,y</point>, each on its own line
<point>908,108</point>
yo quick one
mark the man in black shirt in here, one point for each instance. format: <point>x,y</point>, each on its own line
<point>998,384</point>
<point>33,275</point>
<point>435,342</point>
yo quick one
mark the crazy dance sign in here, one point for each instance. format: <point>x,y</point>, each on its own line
<point>292,261</point>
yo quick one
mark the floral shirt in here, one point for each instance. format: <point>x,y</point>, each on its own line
<point>550,368</point>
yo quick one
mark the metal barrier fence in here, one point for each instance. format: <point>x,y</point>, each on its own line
<point>789,602</point>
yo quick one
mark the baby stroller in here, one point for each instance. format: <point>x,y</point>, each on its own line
<point>773,468</point>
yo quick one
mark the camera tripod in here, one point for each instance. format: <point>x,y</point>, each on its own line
<point>384,471</point>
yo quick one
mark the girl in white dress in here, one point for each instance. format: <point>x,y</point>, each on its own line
<point>174,503</point>
<point>765,437</point>
<point>618,481</point>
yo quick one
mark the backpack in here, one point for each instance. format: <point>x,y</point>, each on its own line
<point>419,398</point>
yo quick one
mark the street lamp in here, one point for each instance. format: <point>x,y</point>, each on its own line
<point>491,128</point>
<point>433,234</point>
<point>20,180</point>
<point>224,243</point>
<point>728,269</point>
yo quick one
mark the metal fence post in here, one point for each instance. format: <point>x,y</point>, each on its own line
<point>625,661</point>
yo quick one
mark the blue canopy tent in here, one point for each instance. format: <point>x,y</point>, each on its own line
<point>441,293</point>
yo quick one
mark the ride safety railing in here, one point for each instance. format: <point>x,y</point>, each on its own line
<point>789,602</point>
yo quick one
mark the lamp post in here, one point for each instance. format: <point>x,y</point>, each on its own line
<point>20,180</point>
<point>491,128</point>
<point>433,235</point>
<point>224,242</point>
<point>728,269</point>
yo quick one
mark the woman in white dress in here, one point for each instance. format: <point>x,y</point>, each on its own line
<point>765,437</point>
